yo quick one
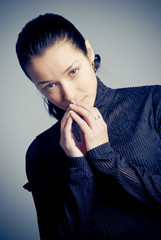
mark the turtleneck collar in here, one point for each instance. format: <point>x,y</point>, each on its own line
<point>103,95</point>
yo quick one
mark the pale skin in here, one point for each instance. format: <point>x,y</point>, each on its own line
<point>65,76</point>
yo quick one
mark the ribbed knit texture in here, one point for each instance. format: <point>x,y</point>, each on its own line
<point>115,191</point>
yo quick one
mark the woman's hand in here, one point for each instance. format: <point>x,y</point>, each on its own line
<point>93,128</point>
<point>67,141</point>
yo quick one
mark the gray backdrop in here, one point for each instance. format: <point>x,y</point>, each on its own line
<point>127,34</point>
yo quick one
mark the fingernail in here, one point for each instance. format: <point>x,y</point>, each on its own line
<point>70,112</point>
<point>70,105</point>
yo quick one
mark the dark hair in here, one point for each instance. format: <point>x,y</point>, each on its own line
<point>43,32</point>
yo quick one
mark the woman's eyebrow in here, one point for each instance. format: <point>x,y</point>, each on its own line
<point>68,68</point>
<point>43,82</point>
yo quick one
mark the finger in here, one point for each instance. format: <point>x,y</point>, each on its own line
<point>85,106</point>
<point>82,104</point>
<point>66,133</point>
<point>82,123</point>
<point>90,114</point>
<point>65,118</point>
<point>66,124</point>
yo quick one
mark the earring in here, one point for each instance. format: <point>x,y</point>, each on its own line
<point>93,66</point>
<point>96,63</point>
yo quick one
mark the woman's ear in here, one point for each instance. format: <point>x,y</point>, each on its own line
<point>90,52</point>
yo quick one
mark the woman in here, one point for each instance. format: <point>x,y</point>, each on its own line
<point>95,174</point>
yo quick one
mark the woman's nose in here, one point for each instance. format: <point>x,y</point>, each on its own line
<point>68,91</point>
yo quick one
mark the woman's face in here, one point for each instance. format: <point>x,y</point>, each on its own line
<point>63,74</point>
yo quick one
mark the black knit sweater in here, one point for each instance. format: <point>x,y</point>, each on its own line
<point>115,191</point>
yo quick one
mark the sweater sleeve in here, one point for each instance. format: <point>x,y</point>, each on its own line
<point>138,181</point>
<point>62,196</point>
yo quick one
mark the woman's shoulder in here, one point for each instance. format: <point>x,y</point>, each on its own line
<point>144,88</point>
<point>49,137</point>
<point>53,131</point>
<point>140,92</point>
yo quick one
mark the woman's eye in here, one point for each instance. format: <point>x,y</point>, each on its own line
<point>49,87</point>
<point>73,72</point>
